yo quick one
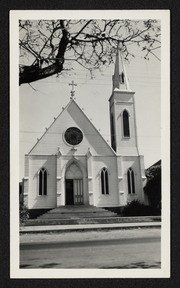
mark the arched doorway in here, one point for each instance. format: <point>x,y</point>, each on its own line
<point>74,185</point>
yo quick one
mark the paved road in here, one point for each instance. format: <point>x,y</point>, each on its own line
<point>115,251</point>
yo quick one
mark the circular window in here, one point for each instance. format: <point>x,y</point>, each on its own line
<point>73,136</point>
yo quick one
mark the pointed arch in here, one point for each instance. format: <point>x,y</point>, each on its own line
<point>131,181</point>
<point>126,130</point>
<point>104,181</point>
<point>42,181</point>
<point>73,171</point>
<point>74,182</point>
<point>80,165</point>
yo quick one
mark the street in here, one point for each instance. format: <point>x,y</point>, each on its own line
<point>121,249</point>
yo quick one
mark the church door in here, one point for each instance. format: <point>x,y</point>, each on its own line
<point>74,185</point>
<point>78,191</point>
<point>69,192</point>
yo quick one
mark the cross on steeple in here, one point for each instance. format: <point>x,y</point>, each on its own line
<point>73,85</point>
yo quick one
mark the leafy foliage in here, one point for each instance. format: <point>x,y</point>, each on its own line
<point>46,45</point>
<point>23,213</point>
<point>135,208</point>
<point>153,185</point>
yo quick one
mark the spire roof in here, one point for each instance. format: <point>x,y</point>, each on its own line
<point>120,80</point>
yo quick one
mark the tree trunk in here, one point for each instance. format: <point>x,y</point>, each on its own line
<point>28,74</point>
<point>33,73</point>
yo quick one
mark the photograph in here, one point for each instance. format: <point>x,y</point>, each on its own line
<point>89,120</point>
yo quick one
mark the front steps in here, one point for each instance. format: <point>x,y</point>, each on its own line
<point>73,215</point>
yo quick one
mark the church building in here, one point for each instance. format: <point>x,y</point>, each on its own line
<point>72,164</point>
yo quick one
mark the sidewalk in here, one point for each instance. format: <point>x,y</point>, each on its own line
<point>87,227</point>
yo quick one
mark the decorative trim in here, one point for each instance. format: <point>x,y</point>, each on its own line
<point>122,102</point>
<point>73,147</point>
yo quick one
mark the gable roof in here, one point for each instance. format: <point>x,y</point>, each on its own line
<point>70,108</point>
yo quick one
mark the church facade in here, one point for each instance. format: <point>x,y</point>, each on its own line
<point>72,164</point>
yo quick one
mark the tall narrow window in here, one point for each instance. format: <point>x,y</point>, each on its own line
<point>104,182</point>
<point>122,78</point>
<point>43,182</point>
<point>113,142</point>
<point>126,132</point>
<point>131,182</point>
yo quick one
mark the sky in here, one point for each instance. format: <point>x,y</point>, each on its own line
<point>43,100</point>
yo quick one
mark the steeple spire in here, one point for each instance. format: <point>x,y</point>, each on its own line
<point>120,80</point>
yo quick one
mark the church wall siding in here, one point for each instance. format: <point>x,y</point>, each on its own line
<point>105,200</point>
<point>45,201</point>
<point>134,163</point>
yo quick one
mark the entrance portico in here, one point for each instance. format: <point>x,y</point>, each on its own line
<point>73,185</point>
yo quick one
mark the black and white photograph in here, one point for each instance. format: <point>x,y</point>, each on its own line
<point>90,127</point>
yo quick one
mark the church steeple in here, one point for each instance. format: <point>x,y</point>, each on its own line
<point>120,80</point>
<point>122,112</point>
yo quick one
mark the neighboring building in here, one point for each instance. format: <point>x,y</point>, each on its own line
<point>152,186</point>
<point>21,192</point>
<point>72,164</point>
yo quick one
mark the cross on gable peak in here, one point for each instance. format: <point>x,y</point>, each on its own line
<point>73,85</point>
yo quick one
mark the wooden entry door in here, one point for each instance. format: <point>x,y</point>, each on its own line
<point>78,191</point>
<point>74,191</point>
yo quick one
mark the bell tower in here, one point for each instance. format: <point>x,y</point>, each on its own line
<point>122,112</point>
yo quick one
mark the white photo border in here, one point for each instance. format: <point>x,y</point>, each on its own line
<point>15,271</point>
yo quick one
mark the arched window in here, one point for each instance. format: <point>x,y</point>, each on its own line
<point>42,181</point>
<point>126,132</point>
<point>131,184</point>
<point>104,181</point>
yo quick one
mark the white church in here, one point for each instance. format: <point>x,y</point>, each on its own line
<point>81,168</point>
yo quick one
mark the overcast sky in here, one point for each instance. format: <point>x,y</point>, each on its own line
<point>40,104</point>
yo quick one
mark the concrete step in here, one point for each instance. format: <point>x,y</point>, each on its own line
<point>45,222</point>
<point>77,215</point>
<point>76,209</point>
<point>106,220</point>
<point>82,214</point>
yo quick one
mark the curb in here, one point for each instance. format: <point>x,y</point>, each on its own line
<point>82,228</point>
